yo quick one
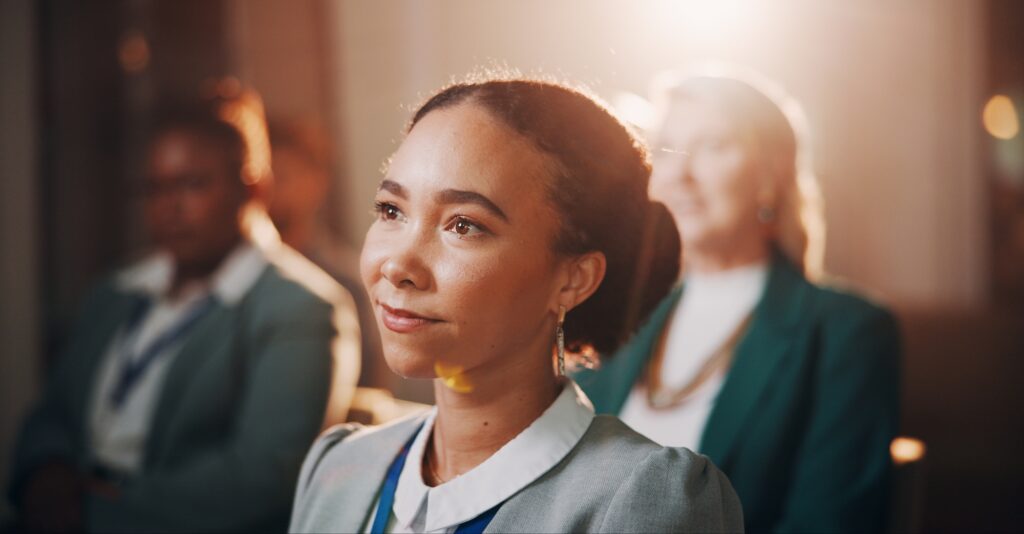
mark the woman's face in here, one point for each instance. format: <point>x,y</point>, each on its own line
<point>704,172</point>
<point>459,262</point>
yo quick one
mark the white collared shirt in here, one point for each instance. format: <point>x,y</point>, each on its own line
<point>712,307</point>
<point>118,434</point>
<point>541,446</point>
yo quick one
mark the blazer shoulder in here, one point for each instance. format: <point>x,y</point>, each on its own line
<point>650,488</point>
<point>837,300</point>
<point>638,451</point>
<point>290,270</point>
<point>325,443</point>
<point>619,450</point>
<point>287,293</point>
<point>609,428</point>
<point>351,441</point>
<point>674,489</point>
<point>101,293</point>
<point>342,471</point>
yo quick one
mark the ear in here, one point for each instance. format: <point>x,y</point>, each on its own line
<point>584,274</point>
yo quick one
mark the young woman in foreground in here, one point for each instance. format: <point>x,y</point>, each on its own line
<point>513,219</point>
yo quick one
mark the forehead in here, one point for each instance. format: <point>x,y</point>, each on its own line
<point>687,116</point>
<point>465,147</point>
<point>178,150</point>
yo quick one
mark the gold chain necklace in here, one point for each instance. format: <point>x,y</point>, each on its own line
<point>661,397</point>
<point>432,471</point>
<point>435,477</point>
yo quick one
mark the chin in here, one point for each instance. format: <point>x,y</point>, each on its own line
<point>409,364</point>
<point>696,237</point>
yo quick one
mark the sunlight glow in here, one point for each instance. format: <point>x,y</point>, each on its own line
<point>701,23</point>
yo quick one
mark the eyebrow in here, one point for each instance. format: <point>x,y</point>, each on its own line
<point>456,196</point>
<point>448,196</point>
<point>394,188</point>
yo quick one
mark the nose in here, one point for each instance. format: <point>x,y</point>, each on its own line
<point>406,268</point>
<point>165,205</point>
<point>684,168</point>
<point>670,173</point>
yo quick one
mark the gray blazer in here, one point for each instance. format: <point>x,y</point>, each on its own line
<point>614,480</point>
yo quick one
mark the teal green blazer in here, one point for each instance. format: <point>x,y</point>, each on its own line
<point>241,404</point>
<point>803,421</point>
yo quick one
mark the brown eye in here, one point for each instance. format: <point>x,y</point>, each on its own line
<point>463,227</point>
<point>387,212</point>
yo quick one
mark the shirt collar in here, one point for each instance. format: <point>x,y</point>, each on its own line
<point>537,449</point>
<point>229,283</point>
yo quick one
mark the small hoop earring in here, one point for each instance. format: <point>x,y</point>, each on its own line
<point>560,340</point>
<point>765,214</point>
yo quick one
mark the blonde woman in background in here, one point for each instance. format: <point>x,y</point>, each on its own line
<point>791,388</point>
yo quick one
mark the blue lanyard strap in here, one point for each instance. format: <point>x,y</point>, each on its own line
<point>478,523</point>
<point>387,499</point>
<point>133,368</point>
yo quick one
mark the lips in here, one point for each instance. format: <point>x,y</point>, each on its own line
<point>404,321</point>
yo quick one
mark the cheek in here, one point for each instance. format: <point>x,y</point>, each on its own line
<point>465,273</point>
<point>501,296</point>
<point>728,185</point>
<point>158,218</point>
<point>198,209</point>
<point>156,210</point>
<point>213,206</point>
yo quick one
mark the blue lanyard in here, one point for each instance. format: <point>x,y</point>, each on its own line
<point>387,499</point>
<point>133,368</point>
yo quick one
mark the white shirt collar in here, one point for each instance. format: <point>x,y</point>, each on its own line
<point>517,464</point>
<point>229,283</point>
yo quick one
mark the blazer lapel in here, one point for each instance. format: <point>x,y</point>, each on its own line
<point>211,337</point>
<point>609,387</point>
<point>377,456</point>
<point>757,358</point>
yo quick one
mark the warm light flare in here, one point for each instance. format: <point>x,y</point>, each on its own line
<point>635,110</point>
<point>133,52</point>
<point>1000,117</point>
<point>245,112</point>
<point>906,450</point>
<point>452,377</point>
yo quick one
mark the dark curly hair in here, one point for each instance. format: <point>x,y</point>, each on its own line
<point>599,187</point>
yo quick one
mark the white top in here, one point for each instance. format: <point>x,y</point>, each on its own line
<point>118,433</point>
<point>711,308</point>
<point>542,445</point>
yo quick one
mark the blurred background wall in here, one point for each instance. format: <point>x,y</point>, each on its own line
<point>888,87</point>
<point>924,208</point>
<point>20,309</point>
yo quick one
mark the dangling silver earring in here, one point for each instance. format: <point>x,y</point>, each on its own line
<point>765,214</point>
<point>560,341</point>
